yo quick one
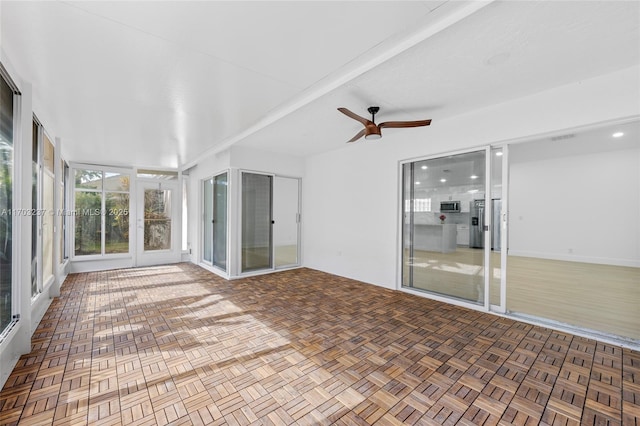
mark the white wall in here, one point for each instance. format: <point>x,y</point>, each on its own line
<point>583,208</point>
<point>351,196</point>
<point>349,210</point>
<point>252,159</point>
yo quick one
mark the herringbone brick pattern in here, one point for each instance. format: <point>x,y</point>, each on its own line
<point>178,345</point>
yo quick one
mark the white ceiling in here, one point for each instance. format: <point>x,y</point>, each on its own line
<point>159,84</point>
<point>458,169</point>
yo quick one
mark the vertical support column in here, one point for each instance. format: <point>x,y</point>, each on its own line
<point>487,220</point>
<point>179,199</point>
<point>22,223</point>
<point>234,216</point>
<point>504,223</point>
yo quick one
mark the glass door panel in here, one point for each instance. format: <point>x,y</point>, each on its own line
<point>116,222</point>
<point>47,226</point>
<point>495,263</point>
<point>443,226</point>
<point>157,219</point>
<point>574,234</point>
<point>8,286</point>
<point>36,273</point>
<point>219,221</point>
<point>88,226</point>
<point>207,240</point>
<point>157,233</point>
<point>286,221</point>
<point>257,237</point>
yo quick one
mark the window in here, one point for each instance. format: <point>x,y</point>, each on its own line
<point>47,219</point>
<point>6,204</point>
<point>101,212</point>
<point>61,216</point>
<point>42,195</point>
<point>35,220</point>
<point>185,214</point>
<point>419,205</point>
<point>157,174</point>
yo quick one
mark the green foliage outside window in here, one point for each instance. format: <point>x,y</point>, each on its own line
<point>89,212</point>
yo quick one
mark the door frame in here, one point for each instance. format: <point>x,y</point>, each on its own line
<point>504,229</point>
<point>155,257</point>
<point>239,234</point>
<point>486,306</point>
<point>236,240</point>
<point>298,224</point>
<point>203,238</point>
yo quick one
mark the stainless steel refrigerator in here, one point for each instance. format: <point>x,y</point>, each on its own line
<point>476,225</point>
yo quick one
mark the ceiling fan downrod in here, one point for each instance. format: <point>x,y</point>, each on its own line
<point>373,110</point>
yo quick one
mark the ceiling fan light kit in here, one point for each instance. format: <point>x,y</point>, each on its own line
<point>374,131</point>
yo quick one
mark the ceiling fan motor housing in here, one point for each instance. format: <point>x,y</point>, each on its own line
<point>372,131</point>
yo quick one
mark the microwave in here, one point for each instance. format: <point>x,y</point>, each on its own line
<point>450,206</point>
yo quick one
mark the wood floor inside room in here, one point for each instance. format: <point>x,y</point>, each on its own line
<point>178,345</point>
<point>598,297</point>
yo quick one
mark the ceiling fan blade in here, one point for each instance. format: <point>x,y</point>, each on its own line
<point>356,137</point>
<point>418,123</point>
<point>354,116</point>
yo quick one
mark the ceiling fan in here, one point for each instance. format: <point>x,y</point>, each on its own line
<point>374,131</point>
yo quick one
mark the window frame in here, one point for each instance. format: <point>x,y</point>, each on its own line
<point>14,222</point>
<point>72,213</point>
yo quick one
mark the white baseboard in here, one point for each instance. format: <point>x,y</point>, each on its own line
<point>633,263</point>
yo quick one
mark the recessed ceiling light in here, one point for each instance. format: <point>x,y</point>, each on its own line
<point>474,177</point>
<point>499,153</point>
<point>472,191</point>
<point>424,167</point>
<point>443,180</point>
<point>618,134</point>
<point>417,183</point>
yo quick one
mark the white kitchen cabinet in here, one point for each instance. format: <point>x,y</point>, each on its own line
<point>462,239</point>
<point>440,238</point>
<point>435,203</point>
<point>464,203</point>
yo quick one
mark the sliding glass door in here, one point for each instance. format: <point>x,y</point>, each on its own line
<point>207,225</point>
<point>446,218</point>
<point>286,226</point>
<point>270,222</point>
<point>215,221</point>
<point>574,234</point>
<point>219,223</point>
<point>257,222</point>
